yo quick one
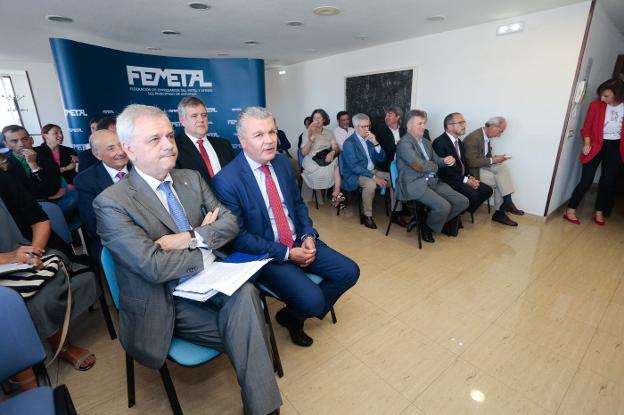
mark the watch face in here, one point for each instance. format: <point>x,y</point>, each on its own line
<point>193,243</point>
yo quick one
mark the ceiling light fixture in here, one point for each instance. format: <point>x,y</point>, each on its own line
<point>294,23</point>
<point>252,42</point>
<point>508,29</point>
<point>281,72</point>
<point>170,32</point>
<point>361,37</point>
<point>326,11</point>
<point>223,54</point>
<point>199,6</point>
<point>310,50</point>
<point>153,48</point>
<point>436,18</point>
<point>59,19</point>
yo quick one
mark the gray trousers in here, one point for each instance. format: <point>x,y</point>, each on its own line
<point>444,202</point>
<point>236,326</point>
<point>498,178</point>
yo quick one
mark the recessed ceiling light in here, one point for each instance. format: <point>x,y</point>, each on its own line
<point>252,42</point>
<point>326,11</point>
<point>361,37</point>
<point>436,18</point>
<point>223,54</point>
<point>60,19</point>
<point>508,29</point>
<point>281,72</point>
<point>153,48</point>
<point>294,23</point>
<point>199,6</point>
<point>310,50</point>
<point>170,32</point>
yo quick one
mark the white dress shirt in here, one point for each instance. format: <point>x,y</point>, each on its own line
<point>341,135</point>
<point>396,134</point>
<point>370,166</point>
<point>113,172</point>
<point>212,154</point>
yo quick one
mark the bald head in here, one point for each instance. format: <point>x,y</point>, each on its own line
<point>105,147</point>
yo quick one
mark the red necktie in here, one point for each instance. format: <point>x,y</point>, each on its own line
<point>459,156</point>
<point>204,154</point>
<point>283,230</point>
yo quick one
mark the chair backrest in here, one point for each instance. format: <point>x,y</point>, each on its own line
<point>59,224</point>
<point>394,173</point>
<point>108,265</point>
<point>20,346</point>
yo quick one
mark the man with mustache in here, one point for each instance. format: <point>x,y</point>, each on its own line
<point>113,167</point>
<point>153,224</point>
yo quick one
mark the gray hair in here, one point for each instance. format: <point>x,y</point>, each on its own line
<point>129,116</point>
<point>496,121</point>
<point>395,110</point>
<point>258,113</point>
<point>416,113</point>
<point>190,101</point>
<point>359,118</point>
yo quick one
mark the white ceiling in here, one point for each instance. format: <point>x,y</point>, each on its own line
<point>134,25</point>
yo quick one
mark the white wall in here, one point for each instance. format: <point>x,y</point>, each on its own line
<point>526,77</point>
<point>46,92</point>
<point>604,43</point>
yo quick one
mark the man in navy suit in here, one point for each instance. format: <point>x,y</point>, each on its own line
<point>113,167</point>
<point>259,187</point>
<point>196,149</point>
<point>360,152</point>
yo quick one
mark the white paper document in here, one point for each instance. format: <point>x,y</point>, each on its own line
<point>218,277</point>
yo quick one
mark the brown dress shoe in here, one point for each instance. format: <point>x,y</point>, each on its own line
<point>368,222</point>
<point>511,208</point>
<point>501,217</point>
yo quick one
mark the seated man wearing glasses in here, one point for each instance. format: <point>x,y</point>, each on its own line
<point>360,152</point>
<point>456,176</point>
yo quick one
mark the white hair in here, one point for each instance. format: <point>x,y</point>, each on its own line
<point>258,113</point>
<point>129,116</point>
<point>496,121</point>
<point>359,119</point>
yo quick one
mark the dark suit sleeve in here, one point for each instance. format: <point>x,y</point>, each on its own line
<point>87,192</point>
<point>228,194</point>
<point>47,180</point>
<point>389,147</point>
<point>225,151</point>
<point>349,158</point>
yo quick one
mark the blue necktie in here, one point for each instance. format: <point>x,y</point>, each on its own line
<point>175,208</point>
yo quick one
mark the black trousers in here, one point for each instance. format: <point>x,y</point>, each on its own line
<point>611,161</point>
<point>476,197</point>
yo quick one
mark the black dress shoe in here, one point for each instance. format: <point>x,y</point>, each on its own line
<point>501,217</point>
<point>411,224</point>
<point>368,222</point>
<point>426,234</point>
<point>451,228</point>
<point>511,208</point>
<point>460,225</point>
<point>398,219</point>
<point>294,327</point>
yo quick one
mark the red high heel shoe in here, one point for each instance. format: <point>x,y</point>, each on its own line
<point>599,222</point>
<point>574,221</point>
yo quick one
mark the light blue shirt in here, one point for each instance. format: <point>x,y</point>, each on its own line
<point>261,181</point>
<point>370,166</point>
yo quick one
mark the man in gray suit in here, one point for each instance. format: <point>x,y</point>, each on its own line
<point>153,224</point>
<point>418,180</point>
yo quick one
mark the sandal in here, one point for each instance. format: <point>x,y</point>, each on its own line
<point>82,359</point>
<point>338,200</point>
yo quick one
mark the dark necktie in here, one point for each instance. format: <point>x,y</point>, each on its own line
<point>281,222</point>
<point>459,157</point>
<point>204,154</point>
<point>120,175</point>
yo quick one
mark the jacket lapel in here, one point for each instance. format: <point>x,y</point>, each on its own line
<point>146,197</point>
<point>248,177</point>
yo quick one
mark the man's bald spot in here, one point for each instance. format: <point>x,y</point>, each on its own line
<point>100,135</point>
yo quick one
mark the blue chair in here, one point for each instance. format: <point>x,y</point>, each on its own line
<point>181,351</point>
<point>21,349</point>
<point>59,227</point>
<point>419,208</point>
<point>75,222</point>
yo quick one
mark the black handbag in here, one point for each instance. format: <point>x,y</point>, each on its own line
<point>319,158</point>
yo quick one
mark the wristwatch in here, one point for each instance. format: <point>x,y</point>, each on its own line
<point>193,241</point>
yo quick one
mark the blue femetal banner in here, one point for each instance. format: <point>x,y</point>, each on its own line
<point>100,82</point>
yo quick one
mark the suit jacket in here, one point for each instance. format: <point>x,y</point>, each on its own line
<point>411,183</point>
<point>130,217</point>
<point>443,146</point>
<point>354,163</point>
<point>43,183</point>
<point>65,153</point>
<point>236,187</point>
<point>386,139</point>
<point>189,157</point>
<point>86,159</point>
<point>474,149</point>
<point>593,127</point>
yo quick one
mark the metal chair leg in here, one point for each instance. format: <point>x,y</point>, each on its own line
<point>169,388</point>
<point>104,305</point>
<point>130,380</point>
<point>315,198</point>
<point>472,217</point>
<point>396,203</point>
<point>277,362</point>
<point>333,315</point>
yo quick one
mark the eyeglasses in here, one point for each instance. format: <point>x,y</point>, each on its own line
<point>458,122</point>
<point>366,127</point>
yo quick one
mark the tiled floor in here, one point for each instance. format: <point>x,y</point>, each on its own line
<point>498,321</point>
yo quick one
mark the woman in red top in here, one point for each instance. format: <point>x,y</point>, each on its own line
<point>603,137</point>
